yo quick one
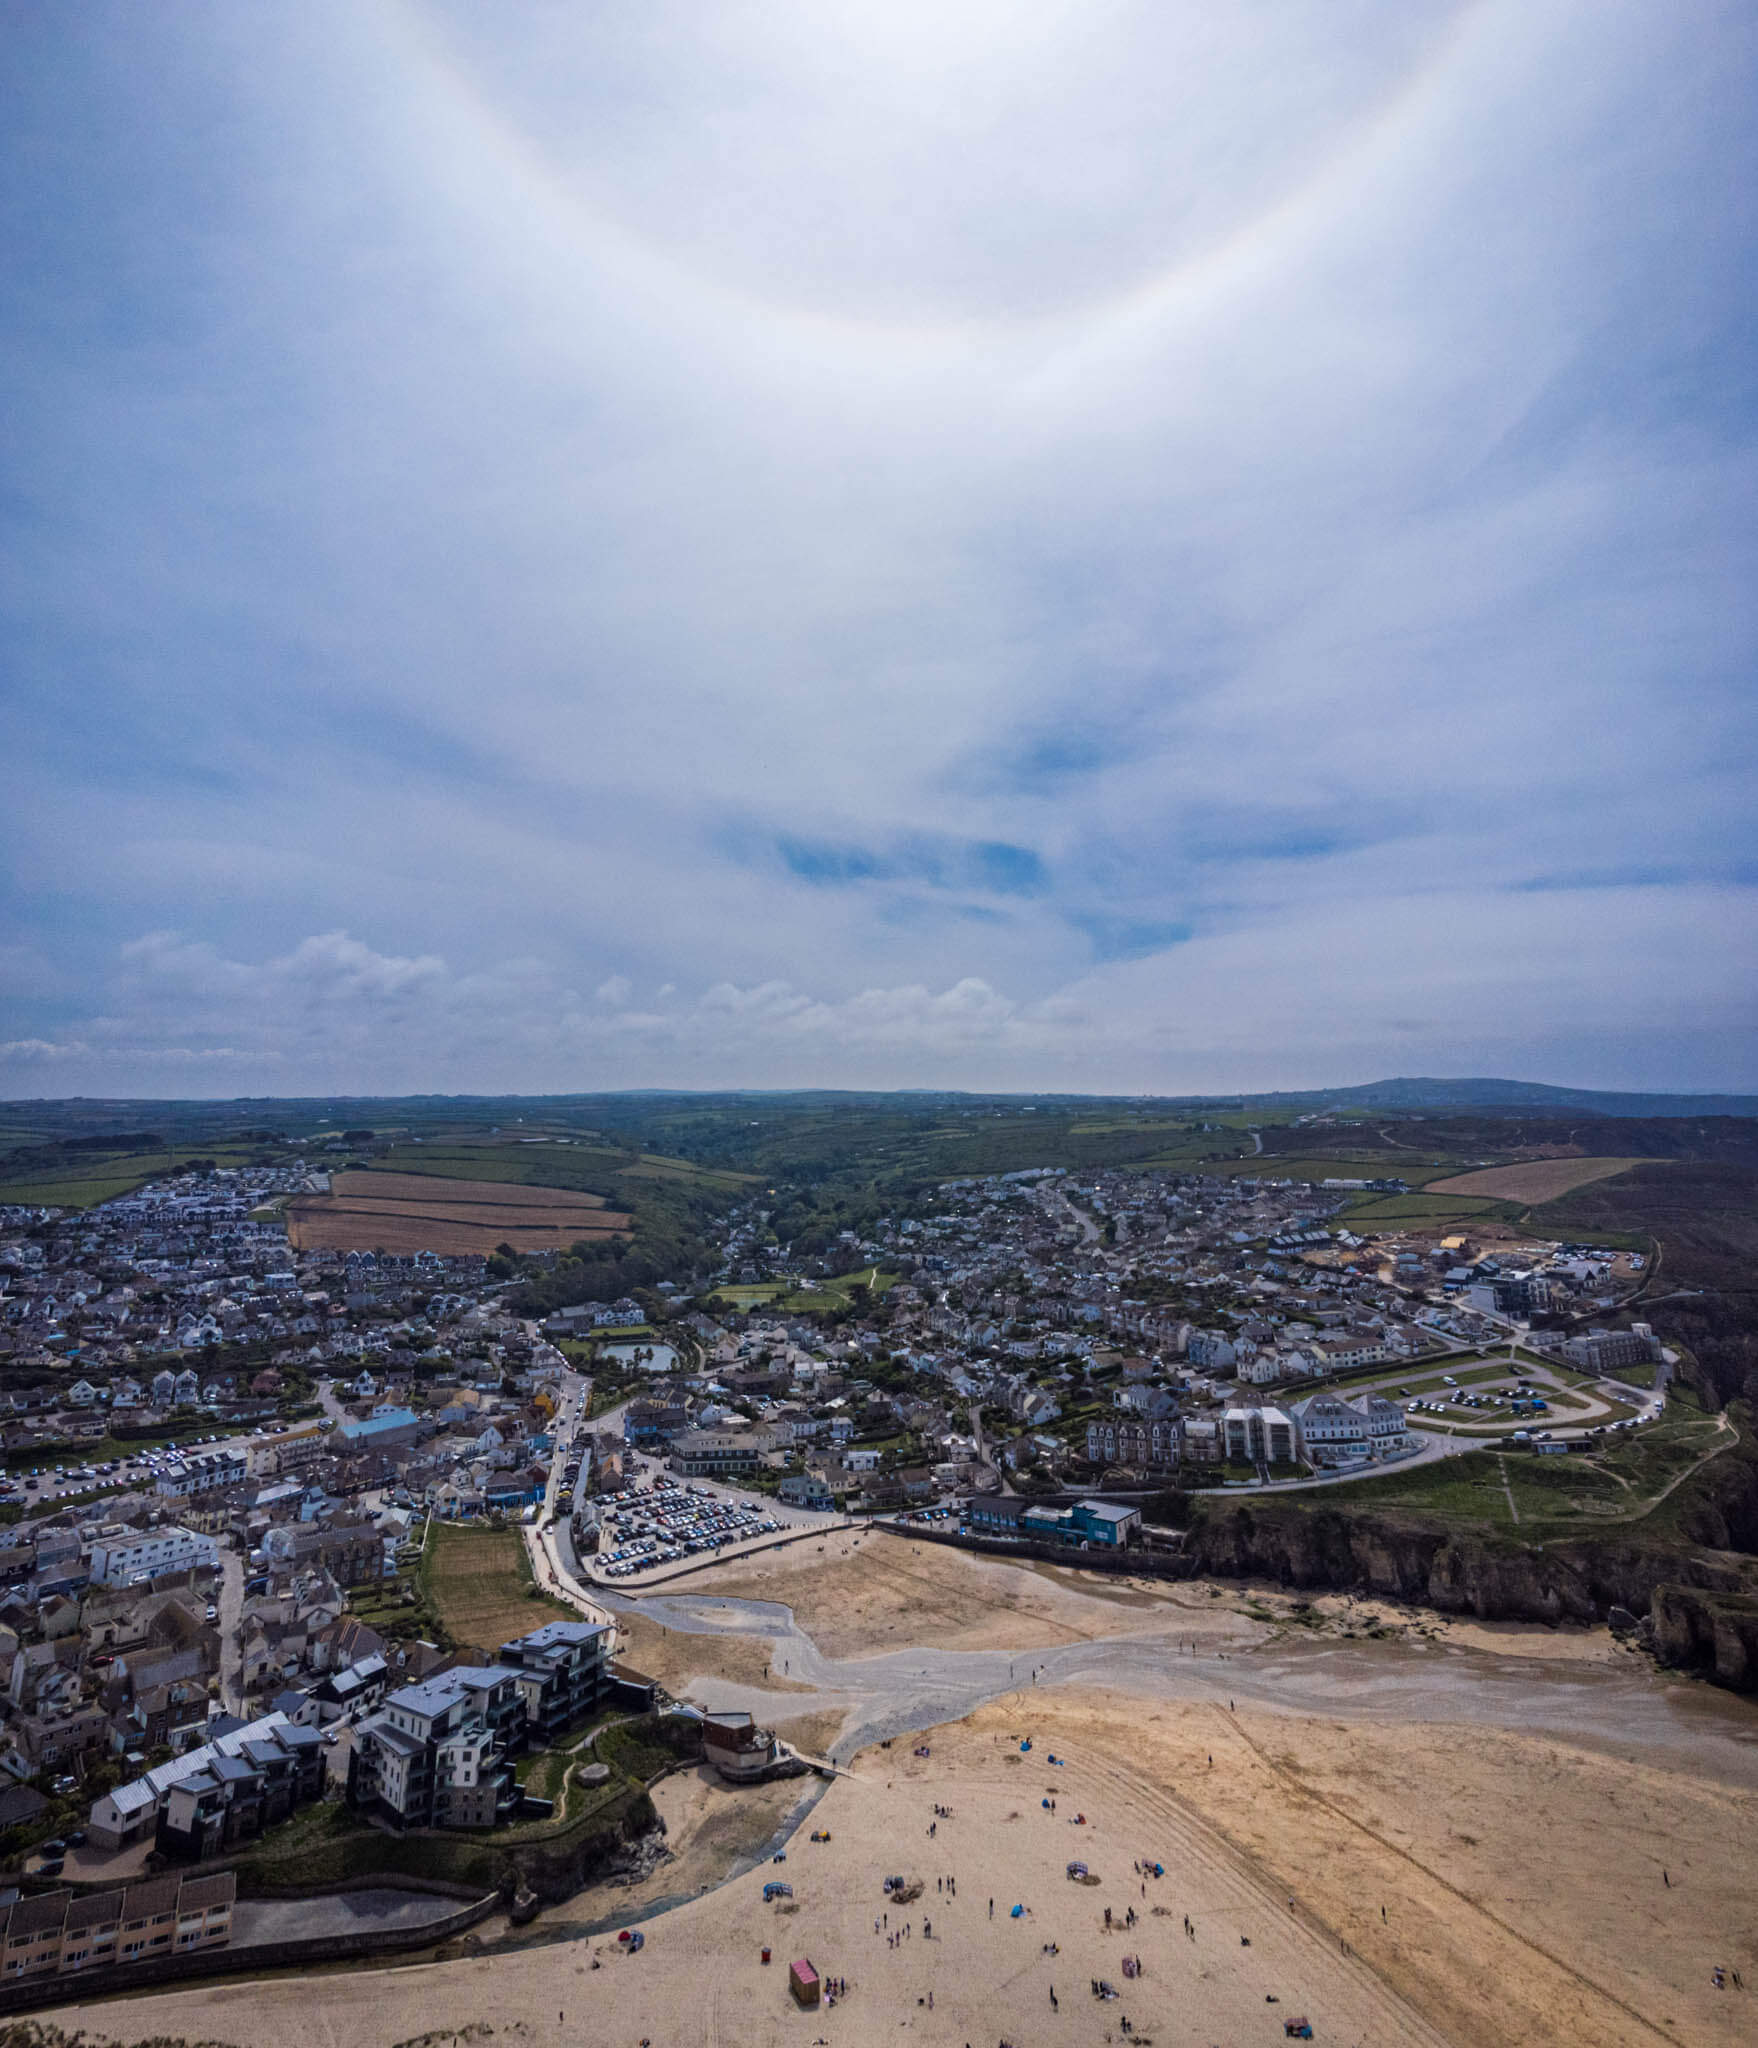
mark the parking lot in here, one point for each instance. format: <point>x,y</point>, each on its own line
<point>671,1521</point>
<point>44,1483</point>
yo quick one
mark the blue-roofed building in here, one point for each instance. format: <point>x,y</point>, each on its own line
<point>387,1429</point>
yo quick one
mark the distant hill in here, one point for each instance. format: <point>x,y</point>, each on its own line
<point>1539,1096</point>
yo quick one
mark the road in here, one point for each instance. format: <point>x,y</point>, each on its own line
<point>1056,1199</point>
<point>231,1606</point>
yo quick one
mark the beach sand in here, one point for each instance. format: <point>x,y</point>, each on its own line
<point>867,1593</point>
<point>1520,1875</point>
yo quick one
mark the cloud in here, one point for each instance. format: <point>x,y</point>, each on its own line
<point>849,505</point>
<point>33,1052</point>
<point>1477,975</point>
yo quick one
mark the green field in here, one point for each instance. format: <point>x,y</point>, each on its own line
<point>1319,1167</point>
<point>1420,1210</point>
<point>81,1180</point>
<point>588,1168</point>
<point>477,1579</point>
<point>1557,1496</point>
<point>817,1294</point>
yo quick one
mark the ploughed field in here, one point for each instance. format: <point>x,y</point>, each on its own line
<point>414,1212</point>
<point>1531,1180</point>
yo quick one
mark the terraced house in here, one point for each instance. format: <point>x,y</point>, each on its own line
<point>261,1771</point>
<point>61,1933</point>
<point>1119,1440</point>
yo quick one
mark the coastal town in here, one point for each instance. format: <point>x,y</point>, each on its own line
<point>229,1463</point>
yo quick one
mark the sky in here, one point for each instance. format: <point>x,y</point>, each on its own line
<point>1142,548</point>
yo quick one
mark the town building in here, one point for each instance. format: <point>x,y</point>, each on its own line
<point>132,1557</point>
<point>708,1453</point>
<point>440,1753</point>
<point>61,1933</point>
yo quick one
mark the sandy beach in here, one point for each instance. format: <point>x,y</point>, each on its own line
<point>1403,1838</point>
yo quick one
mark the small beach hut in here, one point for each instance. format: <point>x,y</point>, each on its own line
<point>802,1981</point>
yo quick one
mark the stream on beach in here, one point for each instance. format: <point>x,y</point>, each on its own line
<point>1628,1708</point>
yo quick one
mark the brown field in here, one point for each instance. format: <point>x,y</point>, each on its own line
<point>477,1579</point>
<point>415,1212</point>
<point>422,1187</point>
<point>1533,1180</point>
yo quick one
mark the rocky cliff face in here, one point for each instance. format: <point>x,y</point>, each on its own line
<point>1714,1633</point>
<point>1711,1595</point>
<point>1691,1568</point>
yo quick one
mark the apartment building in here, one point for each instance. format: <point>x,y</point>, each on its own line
<point>1258,1436</point>
<point>128,1557</point>
<point>1608,1350</point>
<point>562,1670</point>
<point>439,1754</point>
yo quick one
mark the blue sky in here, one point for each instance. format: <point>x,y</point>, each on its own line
<point>1122,547</point>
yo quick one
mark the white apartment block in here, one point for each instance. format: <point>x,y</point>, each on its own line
<point>131,1555</point>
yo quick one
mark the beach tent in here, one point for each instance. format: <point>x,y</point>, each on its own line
<point>802,1981</point>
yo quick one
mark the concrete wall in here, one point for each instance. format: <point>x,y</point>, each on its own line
<point>1125,1563</point>
<point>83,1986</point>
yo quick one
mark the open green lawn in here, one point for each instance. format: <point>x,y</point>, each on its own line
<point>1555,1496</point>
<point>816,1294</point>
<point>1465,1375</point>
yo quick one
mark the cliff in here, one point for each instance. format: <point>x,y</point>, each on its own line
<point>1691,1569</point>
<point>1455,1571</point>
<point>1711,1632</point>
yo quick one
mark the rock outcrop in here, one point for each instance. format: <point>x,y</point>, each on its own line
<point>1714,1633</point>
